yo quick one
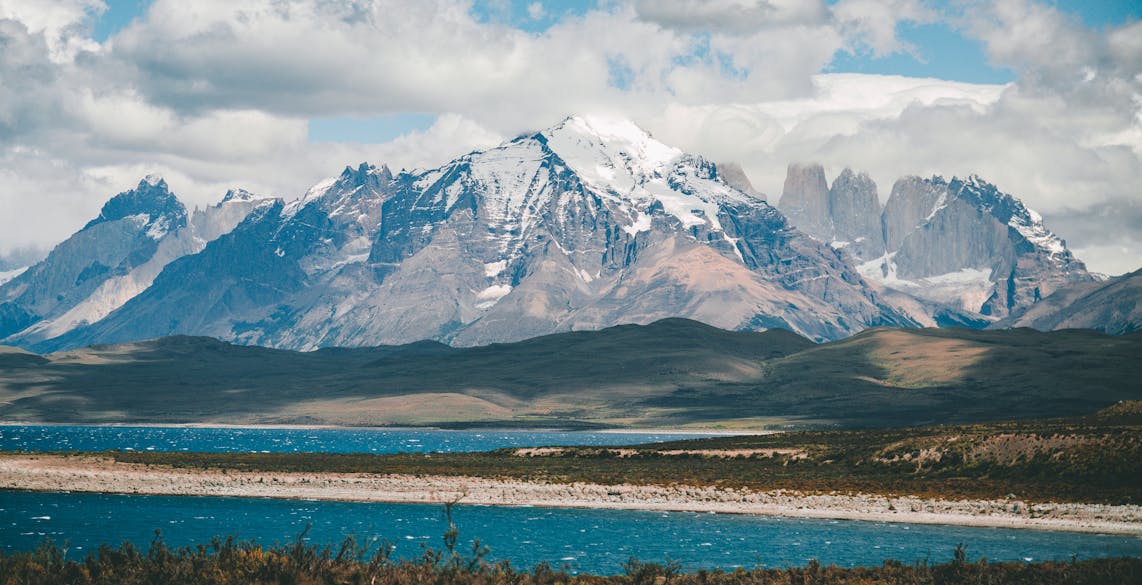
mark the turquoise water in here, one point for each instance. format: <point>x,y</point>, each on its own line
<point>212,440</point>
<point>583,540</point>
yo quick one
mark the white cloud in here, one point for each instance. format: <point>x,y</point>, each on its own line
<point>215,94</point>
<point>872,23</point>
<point>44,199</point>
<point>765,137</point>
<point>64,24</point>
<point>745,17</point>
<point>535,11</point>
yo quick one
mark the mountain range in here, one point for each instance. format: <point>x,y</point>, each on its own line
<point>588,224</point>
<point>968,252</point>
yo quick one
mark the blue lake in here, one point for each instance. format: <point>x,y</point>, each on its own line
<point>582,540</point>
<point>298,440</point>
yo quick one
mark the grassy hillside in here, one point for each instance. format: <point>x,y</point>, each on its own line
<point>919,376</point>
<point>671,373</point>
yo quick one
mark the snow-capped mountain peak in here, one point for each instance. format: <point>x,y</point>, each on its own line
<point>622,161</point>
<point>238,194</point>
<point>150,202</point>
<point>610,152</point>
<point>589,223</point>
<point>153,180</point>
<point>114,258</point>
<point>346,191</point>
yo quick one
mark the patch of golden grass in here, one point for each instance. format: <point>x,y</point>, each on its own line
<point>916,361</point>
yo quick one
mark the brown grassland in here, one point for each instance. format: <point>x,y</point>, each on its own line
<point>1095,459</point>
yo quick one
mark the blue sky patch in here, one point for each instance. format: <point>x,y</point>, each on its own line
<point>118,15</point>
<point>1100,13</point>
<point>940,53</point>
<point>371,130</point>
<point>533,16</point>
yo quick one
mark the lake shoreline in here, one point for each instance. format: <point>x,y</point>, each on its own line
<point>696,431</point>
<point>96,474</point>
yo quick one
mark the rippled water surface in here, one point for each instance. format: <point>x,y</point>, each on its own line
<point>294,440</point>
<point>583,540</point>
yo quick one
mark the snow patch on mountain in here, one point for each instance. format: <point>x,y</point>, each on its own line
<point>966,289</point>
<point>493,269</point>
<point>239,194</point>
<point>6,275</point>
<point>509,181</point>
<point>488,297</point>
<point>1023,219</point>
<point>158,228</point>
<point>314,193</point>
<point>625,164</point>
<point>642,224</point>
<point>1031,227</point>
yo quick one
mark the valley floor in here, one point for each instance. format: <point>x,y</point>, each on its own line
<point>94,473</point>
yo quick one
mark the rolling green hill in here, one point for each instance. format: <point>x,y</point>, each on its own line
<point>670,373</point>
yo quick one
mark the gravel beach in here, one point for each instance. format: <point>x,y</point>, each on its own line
<point>87,473</point>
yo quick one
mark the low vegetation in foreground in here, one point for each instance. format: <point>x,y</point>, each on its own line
<point>229,561</point>
<point>1095,459</point>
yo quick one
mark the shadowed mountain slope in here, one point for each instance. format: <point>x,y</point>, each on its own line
<point>672,372</point>
<point>1111,307</point>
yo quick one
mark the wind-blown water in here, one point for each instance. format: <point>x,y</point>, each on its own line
<point>584,540</point>
<point>598,541</point>
<point>299,440</point>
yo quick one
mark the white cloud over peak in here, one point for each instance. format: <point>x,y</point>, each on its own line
<point>216,94</point>
<point>745,17</point>
<point>872,24</point>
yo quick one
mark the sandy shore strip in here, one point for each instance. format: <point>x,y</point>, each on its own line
<point>83,473</point>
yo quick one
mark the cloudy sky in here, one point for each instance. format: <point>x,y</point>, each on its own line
<point>1043,98</point>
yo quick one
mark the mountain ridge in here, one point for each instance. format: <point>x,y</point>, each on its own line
<point>112,259</point>
<point>971,251</point>
<point>587,224</point>
<point>1111,306</point>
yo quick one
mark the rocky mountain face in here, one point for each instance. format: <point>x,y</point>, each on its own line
<point>734,175</point>
<point>846,215</point>
<point>14,262</point>
<point>805,201</point>
<point>111,260</point>
<point>852,204</point>
<point>966,252</point>
<point>1111,306</point>
<point>587,224</point>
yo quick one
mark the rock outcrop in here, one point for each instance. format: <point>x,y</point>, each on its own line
<point>805,201</point>
<point>969,253</point>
